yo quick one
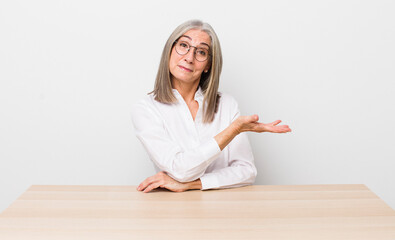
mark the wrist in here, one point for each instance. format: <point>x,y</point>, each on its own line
<point>197,184</point>
<point>236,127</point>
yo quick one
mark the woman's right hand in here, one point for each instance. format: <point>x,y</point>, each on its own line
<point>251,124</point>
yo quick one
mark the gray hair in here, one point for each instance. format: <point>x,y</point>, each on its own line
<point>209,81</point>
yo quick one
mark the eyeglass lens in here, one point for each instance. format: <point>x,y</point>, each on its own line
<point>182,48</point>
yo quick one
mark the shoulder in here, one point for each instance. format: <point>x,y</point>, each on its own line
<point>144,108</point>
<point>227,100</point>
<point>228,107</point>
<point>148,107</point>
<point>142,104</point>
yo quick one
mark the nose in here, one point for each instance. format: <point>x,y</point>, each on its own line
<point>189,57</point>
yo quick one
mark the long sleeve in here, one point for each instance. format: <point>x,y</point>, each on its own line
<point>241,170</point>
<point>183,165</point>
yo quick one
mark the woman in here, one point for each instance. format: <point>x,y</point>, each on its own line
<point>195,135</point>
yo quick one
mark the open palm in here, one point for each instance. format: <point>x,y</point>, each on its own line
<point>251,124</point>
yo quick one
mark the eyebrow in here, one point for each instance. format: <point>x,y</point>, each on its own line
<point>203,43</point>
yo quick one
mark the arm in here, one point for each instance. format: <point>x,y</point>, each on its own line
<point>248,124</point>
<point>161,179</point>
<point>241,171</point>
<point>183,165</point>
<point>169,156</point>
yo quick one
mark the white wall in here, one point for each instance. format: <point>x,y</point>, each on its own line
<point>70,70</point>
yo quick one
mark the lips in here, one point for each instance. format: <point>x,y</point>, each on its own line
<point>184,68</point>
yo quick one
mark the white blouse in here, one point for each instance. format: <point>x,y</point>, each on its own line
<point>186,149</point>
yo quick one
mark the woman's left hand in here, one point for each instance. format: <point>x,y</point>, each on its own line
<point>161,179</point>
<point>251,124</point>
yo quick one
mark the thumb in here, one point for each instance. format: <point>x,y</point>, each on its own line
<point>253,118</point>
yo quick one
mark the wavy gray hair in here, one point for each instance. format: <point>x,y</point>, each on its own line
<point>209,81</point>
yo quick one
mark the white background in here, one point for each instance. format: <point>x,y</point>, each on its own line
<point>70,70</point>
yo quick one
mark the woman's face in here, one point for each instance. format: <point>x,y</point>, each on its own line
<point>185,68</point>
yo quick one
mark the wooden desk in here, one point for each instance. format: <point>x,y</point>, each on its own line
<point>253,212</point>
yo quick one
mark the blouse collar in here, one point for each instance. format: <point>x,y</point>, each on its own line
<point>198,95</point>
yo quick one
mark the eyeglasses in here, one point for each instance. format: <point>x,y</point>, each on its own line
<point>182,48</point>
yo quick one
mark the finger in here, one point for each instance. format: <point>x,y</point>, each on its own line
<point>283,129</point>
<point>276,122</point>
<point>146,182</point>
<point>288,129</point>
<point>143,184</point>
<point>152,186</point>
<point>279,129</point>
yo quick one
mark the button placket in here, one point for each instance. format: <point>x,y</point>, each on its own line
<point>190,121</point>
<point>193,125</point>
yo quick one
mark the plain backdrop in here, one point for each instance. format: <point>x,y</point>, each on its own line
<point>70,71</point>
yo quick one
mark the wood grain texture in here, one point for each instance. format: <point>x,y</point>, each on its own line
<point>252,212</point>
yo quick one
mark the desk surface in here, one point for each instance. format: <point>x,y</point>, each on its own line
<point>252,212</point>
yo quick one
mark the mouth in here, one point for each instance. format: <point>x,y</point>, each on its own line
<point>185,69</point>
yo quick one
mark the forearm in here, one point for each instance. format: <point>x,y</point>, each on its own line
<point>226,136</point>
<point>229,177</point>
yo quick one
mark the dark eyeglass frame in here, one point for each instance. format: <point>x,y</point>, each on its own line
<point>208,56</point>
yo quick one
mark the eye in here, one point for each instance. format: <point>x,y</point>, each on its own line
<point>184,45</point>
<point>202,52</point>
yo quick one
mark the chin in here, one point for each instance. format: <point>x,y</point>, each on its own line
<point>184,78</point>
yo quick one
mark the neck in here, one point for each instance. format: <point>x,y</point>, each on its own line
<point>187,90</point>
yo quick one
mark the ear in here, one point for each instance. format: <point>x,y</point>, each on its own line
<point>207,68</point>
